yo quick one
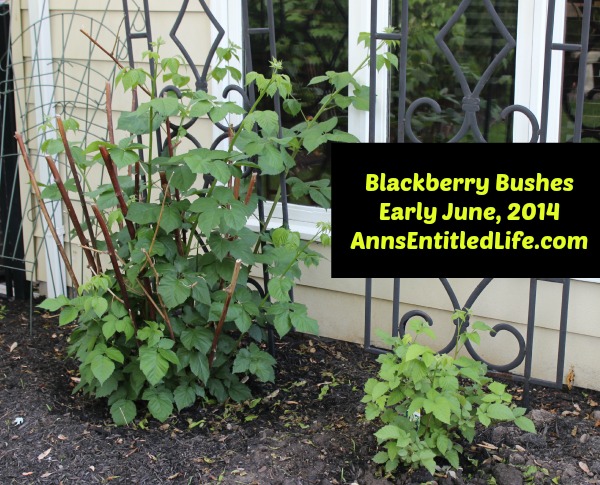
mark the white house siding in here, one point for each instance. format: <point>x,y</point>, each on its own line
<point>339,307</point>
<point>339,304</point>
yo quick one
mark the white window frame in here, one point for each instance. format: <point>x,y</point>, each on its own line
<point>529,71</point>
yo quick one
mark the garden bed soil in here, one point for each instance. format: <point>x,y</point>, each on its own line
<point>306,428</point>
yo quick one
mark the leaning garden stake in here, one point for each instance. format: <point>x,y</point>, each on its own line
<point>51,228</point>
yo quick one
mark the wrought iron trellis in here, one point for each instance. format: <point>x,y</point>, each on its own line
<point>471,104</point>
<point>525,345</point>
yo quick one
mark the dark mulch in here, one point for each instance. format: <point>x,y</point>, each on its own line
<point>307,428</point>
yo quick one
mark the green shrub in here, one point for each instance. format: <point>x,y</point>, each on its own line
<point>173,317</point>
<point>428,404</point>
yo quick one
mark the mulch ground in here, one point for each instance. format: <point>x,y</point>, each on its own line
<point>306,428</point>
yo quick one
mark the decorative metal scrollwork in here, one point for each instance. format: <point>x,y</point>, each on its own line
<point>524,352</point>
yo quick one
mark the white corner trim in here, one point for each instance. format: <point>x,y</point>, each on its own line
<point>43,87</point>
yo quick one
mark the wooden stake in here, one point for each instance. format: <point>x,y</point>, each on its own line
<point>229,290</point>
<point>75,172</point>
<point>115,264</point>
<point>51,227</point>
<point>72,214</point>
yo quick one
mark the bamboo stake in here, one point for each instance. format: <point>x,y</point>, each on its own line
<point>250,188</point>
<point>112,173</point>
<point>72,214</point>
<point>51,227</point>
<point>109,117</point>
<point>109,54</point>
<point>75,172</point>
<point>229,290</point>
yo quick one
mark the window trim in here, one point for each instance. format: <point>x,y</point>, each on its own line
<point>529,70</point>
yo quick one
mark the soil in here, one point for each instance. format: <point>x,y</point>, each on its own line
<point>306,428</point>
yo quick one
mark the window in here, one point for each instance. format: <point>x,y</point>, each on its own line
<point>474,41</point>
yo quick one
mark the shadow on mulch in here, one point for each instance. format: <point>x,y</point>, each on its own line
<point>306,428</point>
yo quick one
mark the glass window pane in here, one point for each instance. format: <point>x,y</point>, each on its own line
<point>311,39</point>
<point>591,106</point>
<point>474,41</point>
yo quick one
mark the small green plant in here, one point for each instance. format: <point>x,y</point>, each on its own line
<point>429,403</point>
<point>2,312</point>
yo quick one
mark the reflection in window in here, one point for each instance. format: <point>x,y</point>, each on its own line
<point>591,107</point>
<point>474,41</point>
<point>311,39</point>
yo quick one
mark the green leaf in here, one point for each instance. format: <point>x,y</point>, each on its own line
<point>198,338</point>
<point>279,288</point>
<point>115,354</point>
<point>170,220</point>
<point>255,361</point>
<point>102,368</point>
<point>442,410</point>
<point>174,291</point>
<point>271,161</point>
<point>415,351</point>
<point>268,121</point>
<point>200,291</point>
<point>199,366</point>
<point>138,122</point>
<point>160,403</point>
<point>218,113</point>
<point>99,305</point>
<point>123,158</point>
<point>360,98</point>
<point>53,304</point>
<point>184,395</point>
<point>236,217</point>
<point>123,412</point>
<point>153,365</point>
<point>379,390</point>
<point>183,178</point>
<point>500,412</point>
<point>108,327</point>
<point>200,108</point>
<point>108,387</point>
<point>303,323</point>
<point>292,107</point>
<point>143,213</point>
<point>53,146</point>
<point>525,424</point>
<point>67,315</point>
<point>282,323</point>
<point>239,392</point>
<point>318,80</point>
<point>167,106</point>
<point>497,388</point>
<point>388,432</point>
